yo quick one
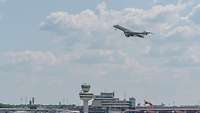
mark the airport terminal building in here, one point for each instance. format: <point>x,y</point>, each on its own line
<point>108,100</point>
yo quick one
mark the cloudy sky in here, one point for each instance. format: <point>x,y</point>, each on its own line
<point>49,47</point>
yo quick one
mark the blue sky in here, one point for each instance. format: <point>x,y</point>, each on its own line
<point>48,48</point>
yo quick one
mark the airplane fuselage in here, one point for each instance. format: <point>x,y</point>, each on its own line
<point>128,34</point>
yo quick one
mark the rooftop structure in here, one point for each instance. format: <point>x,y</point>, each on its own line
<point>85,88</point>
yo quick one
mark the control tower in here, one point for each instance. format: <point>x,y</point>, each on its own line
<point>85,96</point>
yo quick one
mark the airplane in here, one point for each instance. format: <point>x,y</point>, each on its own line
<point>129,33</point>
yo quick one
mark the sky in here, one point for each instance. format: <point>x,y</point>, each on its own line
<point>49,48</point>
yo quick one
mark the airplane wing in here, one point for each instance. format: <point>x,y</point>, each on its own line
<point>122,28</point>
<point>141,36</point>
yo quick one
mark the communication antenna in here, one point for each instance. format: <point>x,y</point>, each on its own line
<point>125,95</point>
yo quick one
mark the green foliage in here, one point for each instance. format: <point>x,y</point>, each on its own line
<point>5,105</point>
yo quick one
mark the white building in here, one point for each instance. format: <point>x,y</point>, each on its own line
<point>108,100</point>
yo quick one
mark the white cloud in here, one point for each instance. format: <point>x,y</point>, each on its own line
<point>194,15</point>
<point>93,28</point>
<point>186,2</point>
<point>184,32</point>
<point>91,57</point>
<point>61,21</point>
<point>102,19</point>
<point>36,57</point>
<point>170,25</point>
<point>193,55</point>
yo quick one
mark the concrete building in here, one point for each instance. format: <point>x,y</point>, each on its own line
<point>108,100</point>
